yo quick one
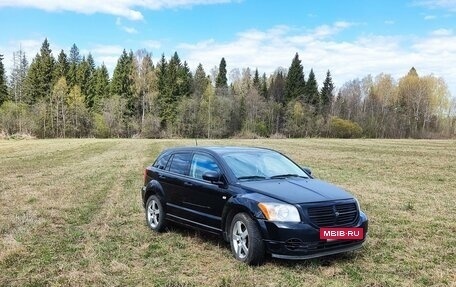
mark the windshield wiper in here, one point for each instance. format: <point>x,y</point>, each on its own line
<point>252,177</point>
<point>287,175</point>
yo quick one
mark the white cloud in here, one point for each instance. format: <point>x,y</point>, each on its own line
<point>29,46</point>
<point>317,48</point>
<point>107,54</point>
<point>442,32</point>
<point>124,8</point>
<point>435,4</point>
<point>430,17</point>
<point>129,30</point>
<point>269,49</point>
<point>151,44</point>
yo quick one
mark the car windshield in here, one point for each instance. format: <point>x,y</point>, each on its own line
<point>261,164</point>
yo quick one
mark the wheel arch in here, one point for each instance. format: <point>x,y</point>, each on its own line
<point>234,206</point>
<point>154,187</point>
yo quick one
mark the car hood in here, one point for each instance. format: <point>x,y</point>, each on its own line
<point>297,190</point>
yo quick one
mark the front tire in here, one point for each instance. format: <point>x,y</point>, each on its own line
<point>245,239</point>
<point>155,215</point>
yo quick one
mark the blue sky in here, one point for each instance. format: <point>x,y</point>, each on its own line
<point>350,38</point>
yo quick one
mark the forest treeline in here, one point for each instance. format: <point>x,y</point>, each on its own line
<point>70,96</point>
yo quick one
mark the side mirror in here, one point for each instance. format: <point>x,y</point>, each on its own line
<point>212,176</point>
<point>306,170</point>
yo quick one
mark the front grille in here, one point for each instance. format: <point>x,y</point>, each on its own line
<point>333,215</point>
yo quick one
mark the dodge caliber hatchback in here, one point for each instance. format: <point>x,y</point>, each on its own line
<point>257,199</point>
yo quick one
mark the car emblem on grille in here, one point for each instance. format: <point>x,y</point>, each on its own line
<point>336,213</point>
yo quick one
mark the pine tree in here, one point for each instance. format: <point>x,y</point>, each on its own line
<point>89,89</point>
<point>122,81</point>
<point>83,76</point>
<point>295,84</point>
<point>39,79</point>
<point>185,80</point>
<point>62,66</point>
<point>311,95</point>
<point>221,83</point>
<point>277,88</point>
<point>75,60</point>
<point>264,86</point>
<point>162,67</point>
<point>173,93</point>
<point>101,87</point>
<point>256,80</point>
<point>3,86</point>
<point>200,81</point>
<point>326,95</point>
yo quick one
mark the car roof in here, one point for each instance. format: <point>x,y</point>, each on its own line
<point>219,149</point>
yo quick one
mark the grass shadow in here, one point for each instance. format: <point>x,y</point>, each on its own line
<point>217,241</point>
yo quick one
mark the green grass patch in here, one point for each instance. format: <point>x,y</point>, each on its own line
<point>71,215</point>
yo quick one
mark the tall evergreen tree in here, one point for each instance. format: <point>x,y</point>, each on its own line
<point>62,66</point>
<point>256,80</point>
<point>101,87</point>
<point>163,95</point>
<point>295,84</point>
<point>264,86</point>
<point>326,95</point>
<point>185,80</point>
<point>200,81</point>
<point>74,60</point>
<point>3,86</point>
<point>89,90</point>
<point>173,93</point>
<point>221,83</point>
<point>40,76</point>
<point>311,95</point>
<point>277,88</point>
<point>83,77</point>
<point>122,81</point>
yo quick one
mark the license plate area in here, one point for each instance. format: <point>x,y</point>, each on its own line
<point>346,233</point>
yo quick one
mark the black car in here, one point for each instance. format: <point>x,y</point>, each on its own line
<point>257,199</point>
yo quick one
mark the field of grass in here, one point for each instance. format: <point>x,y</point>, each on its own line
<point>70,215</point>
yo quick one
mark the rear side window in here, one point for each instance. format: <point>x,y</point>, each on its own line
<point>180,163</point>
<point>161,161</point>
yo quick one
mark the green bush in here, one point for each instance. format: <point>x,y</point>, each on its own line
<point>341,128</point>
<point>15,118</point>
<point>101,129</point>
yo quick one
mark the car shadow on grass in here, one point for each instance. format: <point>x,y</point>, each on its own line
<point>217,241</point>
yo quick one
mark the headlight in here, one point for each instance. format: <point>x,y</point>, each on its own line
<point>279,212</point>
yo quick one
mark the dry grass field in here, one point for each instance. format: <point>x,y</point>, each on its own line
<point>70,215</point>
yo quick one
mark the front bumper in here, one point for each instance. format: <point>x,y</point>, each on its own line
<point>302,241</point>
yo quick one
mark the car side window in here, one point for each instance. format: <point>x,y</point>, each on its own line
<point>202,163</point>
<point>161,162</point>
<point>180,162</point>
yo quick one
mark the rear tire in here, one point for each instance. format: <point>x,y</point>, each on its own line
<point>245,239</point>
<point>155,215</point>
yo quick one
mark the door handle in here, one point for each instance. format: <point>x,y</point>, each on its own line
<point>161,176</point>
<point>187,183</point>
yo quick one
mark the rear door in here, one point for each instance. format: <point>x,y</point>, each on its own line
<point>173,181</point>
